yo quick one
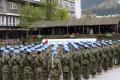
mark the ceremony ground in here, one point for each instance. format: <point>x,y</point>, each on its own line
<point>113,74</point>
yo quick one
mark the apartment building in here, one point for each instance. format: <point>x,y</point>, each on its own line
<point>69,5</point>
<point>9,16</point>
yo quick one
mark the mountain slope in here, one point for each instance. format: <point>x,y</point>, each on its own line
<point>105,7</point>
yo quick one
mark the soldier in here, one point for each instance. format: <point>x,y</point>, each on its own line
<point>1,64</point>
<point>55,69</point>
<point>60,53</point>
<point>117,54</point>
<point>5,68</point>
<point>111,57</point>
<point>21,65</point>
<point>10,65</point>
<point>46,59</point>
<point>39,70</point>
<point>66,66</point>
<point>28,72</point>
<point>85,64</point>
<point>93,62</point>
<point>105,59</point>
<point>99,60</point>
<point>15,69</point>
<point>77,58</point>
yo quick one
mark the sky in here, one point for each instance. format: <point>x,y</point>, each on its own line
<point>87,3</point>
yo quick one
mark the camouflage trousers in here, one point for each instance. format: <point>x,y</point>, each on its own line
<point>0,73</point>
<point>85,72</point>
<point>76,75</point>
<point>39,75</point>
<point>111,63</point>
<point>99,68</point>
<point>105,65</point>
<point>28,74</point>
<point>5,73</point>
<point>15,73</point>
<point>93,69</point>
<point>21,71</point>
<point>66,76</point>
<point>54,75</point>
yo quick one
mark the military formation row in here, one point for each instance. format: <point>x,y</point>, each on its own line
<point>82,60</point>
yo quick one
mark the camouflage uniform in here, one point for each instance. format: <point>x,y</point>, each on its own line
<point>46,70</point>
<point>117,54</point>
<point>111,57</point>
<point>55,69</point>
<point>93,62</point>
<point>85,64</point>
<point>105,59</point>
<point>39,70</point>
<point>77,58</point>
<point>66,66</point>
<point>15,70</point>
<point>28,72</point>
<point>99,61</point>
<point>1,64</point>
<point>21,67</point>
<point>5,70</point>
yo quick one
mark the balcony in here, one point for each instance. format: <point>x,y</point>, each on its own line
<point>32,1</point>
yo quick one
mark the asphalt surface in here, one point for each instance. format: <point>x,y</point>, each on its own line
<point>113,74</point>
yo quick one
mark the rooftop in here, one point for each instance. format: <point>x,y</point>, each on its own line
<point>78,22</point>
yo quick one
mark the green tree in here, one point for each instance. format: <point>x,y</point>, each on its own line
<point>45,10</point>
<point>61,14</point>
<point>29,14</point>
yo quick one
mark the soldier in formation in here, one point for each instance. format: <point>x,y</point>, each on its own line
<point>40,62</point>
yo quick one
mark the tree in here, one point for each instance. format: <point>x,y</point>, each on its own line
<point>61,14</point>
<point>29,14</point>
<point>46,10</point>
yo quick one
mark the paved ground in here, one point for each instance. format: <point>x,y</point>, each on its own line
<point>113,74</point>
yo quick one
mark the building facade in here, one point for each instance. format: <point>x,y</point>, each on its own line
<point>9,13</point>
<point>9,16</point>
<point>73,7</point>
<point>69,5</point>
<point>9,10</point>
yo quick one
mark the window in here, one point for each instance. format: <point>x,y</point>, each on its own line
<point>0,20</point>
<point>14,24</point>
<point>13,5</point>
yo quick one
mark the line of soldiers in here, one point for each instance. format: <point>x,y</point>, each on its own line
<point>88,60</point>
